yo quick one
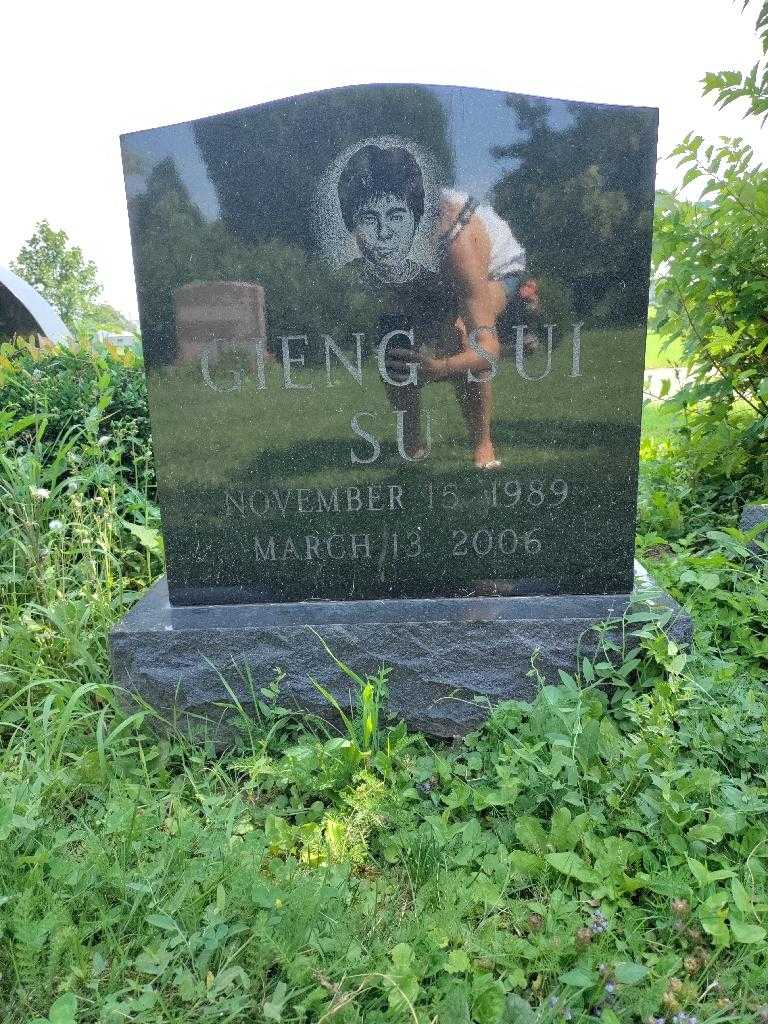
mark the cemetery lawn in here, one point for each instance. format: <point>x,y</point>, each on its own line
<point>599,853</point>
<point>657,353</point>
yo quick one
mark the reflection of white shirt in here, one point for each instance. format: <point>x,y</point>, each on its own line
<point>507,254</point>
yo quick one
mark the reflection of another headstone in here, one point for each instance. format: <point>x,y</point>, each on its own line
<point>219,317</point>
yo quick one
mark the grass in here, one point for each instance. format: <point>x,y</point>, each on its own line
<point>601,853</point>
<point>560,428</point>
<point>657,354</point>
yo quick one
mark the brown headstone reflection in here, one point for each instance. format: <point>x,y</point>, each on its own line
<point>219,317</point>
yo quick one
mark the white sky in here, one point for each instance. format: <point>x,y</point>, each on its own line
<point>74,75</point>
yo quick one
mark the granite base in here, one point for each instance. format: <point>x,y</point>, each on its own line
<point>444,653</point>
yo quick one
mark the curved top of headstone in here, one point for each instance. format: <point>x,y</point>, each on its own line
<point>284,252</point>
<point>41,312</point>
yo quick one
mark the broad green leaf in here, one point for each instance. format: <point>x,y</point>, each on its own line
<point>579,977</point>
<point>741,897</point>
<point>162,921</point>
<point>714,902</point>
<point>707,833</point>
<point>226,978</point>
<point>457,962</point>
<point>487,1000</point>
<point>571,864</point>
<point>518,1011</point>
<point>273,1007</point>
<point>719,876</point>
<point>147,536</point>
<point>454,1006</point>
<point>698,870</point>
<point>630,973</point>
<point>153,961</point>
<point>743,931</point>
<point>560,830</point>
<point>402,956</point>
<point>21,424</point>
<point>716,927</point>
<point>531,834</point>
<point>523,863</point>
<point>690,175</point>
<point>64,1009</point>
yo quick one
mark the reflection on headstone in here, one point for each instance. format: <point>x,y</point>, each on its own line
<point>448,400</point>
<point>215,319</point>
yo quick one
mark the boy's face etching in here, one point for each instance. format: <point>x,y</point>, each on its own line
<point>384,230</point>
<point>381,200</point>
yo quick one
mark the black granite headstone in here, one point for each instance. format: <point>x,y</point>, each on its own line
<point>394,340</point>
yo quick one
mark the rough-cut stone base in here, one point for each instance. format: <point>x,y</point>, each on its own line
<point>443,652</point>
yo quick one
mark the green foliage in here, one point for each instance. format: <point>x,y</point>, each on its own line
<point>730,86</point>
<point>586,181</point>
<point>712,295</point>
<point>68,281</point>
<point>65,388</point>
<point>602,850</point>
<point>60,273</point>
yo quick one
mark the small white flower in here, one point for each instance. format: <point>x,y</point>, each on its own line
<point>40,493</point>
<point>103,441</point>
<point>55,526</point>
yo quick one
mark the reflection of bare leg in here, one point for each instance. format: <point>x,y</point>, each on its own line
<point>408,401</point>
<point>476,402</point>
<point>476,399</point>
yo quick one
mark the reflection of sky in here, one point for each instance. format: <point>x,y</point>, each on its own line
<point>178,142</point>
<point>477,120</point>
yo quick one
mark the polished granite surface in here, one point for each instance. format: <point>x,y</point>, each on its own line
<point>335,339</point>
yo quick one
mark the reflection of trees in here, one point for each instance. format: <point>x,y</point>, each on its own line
<point>581,199</point>
<point>170,246</point>
<point>265,161</point>
<point>174,245</point>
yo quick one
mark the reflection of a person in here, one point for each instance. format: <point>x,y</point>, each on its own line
<point>381,193</point>
<point>485,266</point>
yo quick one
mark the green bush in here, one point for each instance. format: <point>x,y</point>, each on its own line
<point>63,388</point>
<point>710,258</point>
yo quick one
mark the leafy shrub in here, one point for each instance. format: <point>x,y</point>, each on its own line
<point>61,388</point>
<point>712,295</point>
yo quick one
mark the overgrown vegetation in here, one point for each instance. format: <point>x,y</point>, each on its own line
<point>712,294</point>
<point>600,851</point>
